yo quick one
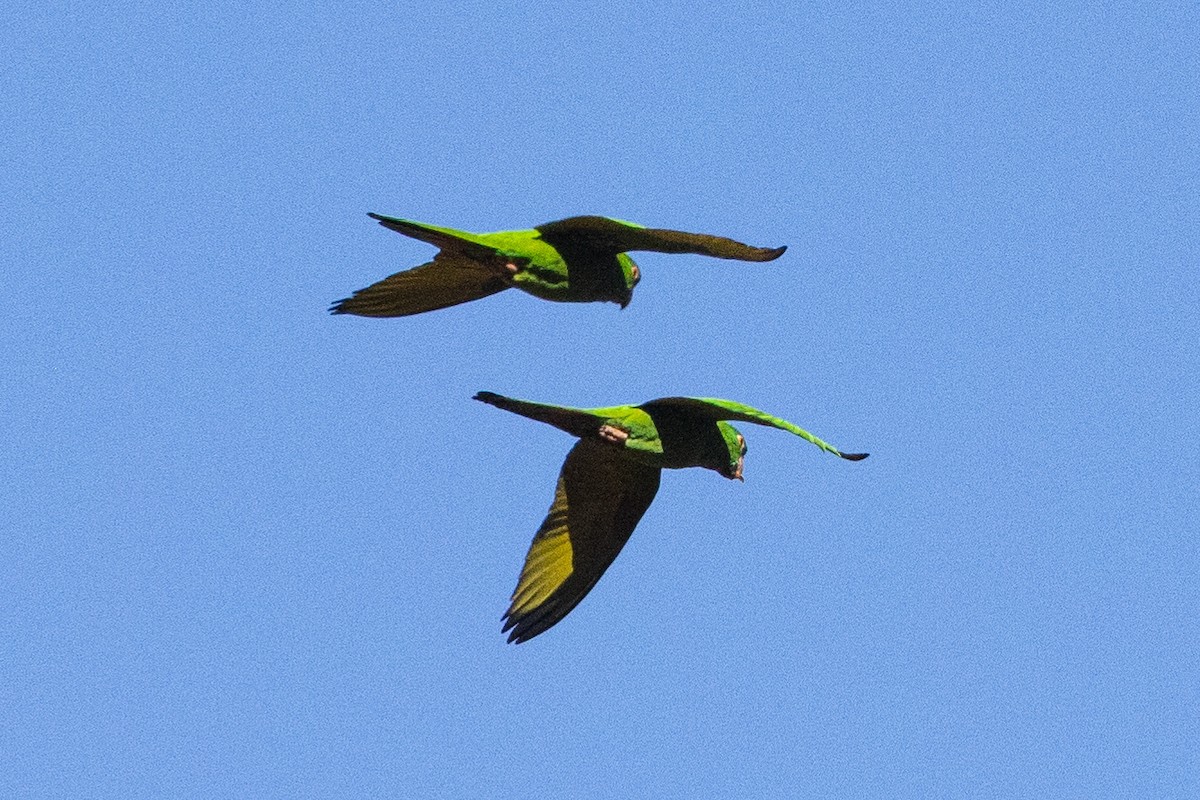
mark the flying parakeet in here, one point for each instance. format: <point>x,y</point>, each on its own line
<point>607,482</point>
<point>575,260</point>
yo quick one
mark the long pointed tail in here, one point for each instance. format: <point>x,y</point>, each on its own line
<point>574,421</point>
<point>449,239</point>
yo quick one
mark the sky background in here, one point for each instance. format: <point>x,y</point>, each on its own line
<point>253,550</point>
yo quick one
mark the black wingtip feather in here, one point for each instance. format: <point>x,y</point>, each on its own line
<point>536,622</point>
<point>854,456</point>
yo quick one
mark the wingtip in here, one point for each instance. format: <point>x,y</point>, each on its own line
<point>521,634</point>
<point>776,252</point>
<point>374,216</point>
<point>516,635</point>
<point>486,397</point>
<point>854,456</point>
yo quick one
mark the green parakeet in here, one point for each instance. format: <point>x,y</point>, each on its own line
<point>575,260</point>
<point>607,482</point>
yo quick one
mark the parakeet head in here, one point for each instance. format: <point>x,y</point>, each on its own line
<point>632,276</point>
<point>736,443</point>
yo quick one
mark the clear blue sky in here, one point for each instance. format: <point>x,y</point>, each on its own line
<point>253,550</point>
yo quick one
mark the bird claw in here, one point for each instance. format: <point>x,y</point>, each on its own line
<point>611,433</point>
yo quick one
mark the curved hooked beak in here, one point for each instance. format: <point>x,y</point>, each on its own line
<point>625,300</point>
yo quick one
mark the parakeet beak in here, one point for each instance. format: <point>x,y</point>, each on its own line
<point>737,473</point>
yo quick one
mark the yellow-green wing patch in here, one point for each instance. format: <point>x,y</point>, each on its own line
<point>600,497</point>
<point>550,560</point>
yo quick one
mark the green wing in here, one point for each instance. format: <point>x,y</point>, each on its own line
<point>600,498</point>
<point>448,280</point>
<point>609,235</point>
<point>717,409</point>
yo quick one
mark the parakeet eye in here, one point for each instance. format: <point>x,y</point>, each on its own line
<point>742,443</point>
<point>635,272</point>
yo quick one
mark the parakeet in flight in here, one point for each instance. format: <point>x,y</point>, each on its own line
<point>574,260</point>
<point>607,482</point>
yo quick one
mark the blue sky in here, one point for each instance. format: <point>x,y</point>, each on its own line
<point>256,550</point>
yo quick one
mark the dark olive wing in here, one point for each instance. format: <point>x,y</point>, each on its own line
<point>608,235</point>
<point>600,497</point>
<point>448,280</point>
<point>716,409</point>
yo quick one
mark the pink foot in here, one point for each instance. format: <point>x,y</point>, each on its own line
<point>610,433</point>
